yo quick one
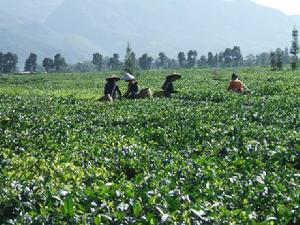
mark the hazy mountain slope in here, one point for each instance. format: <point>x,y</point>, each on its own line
<point>76,28</point>
<point>172,25</point>
<point>23,39</point>
<point>19,35</point>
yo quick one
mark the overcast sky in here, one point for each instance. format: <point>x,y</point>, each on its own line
<point>290,7</point>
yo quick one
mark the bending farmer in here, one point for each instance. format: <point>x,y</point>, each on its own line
<point>133,88</point>
<point>111,89</point>
<point>168,87</point>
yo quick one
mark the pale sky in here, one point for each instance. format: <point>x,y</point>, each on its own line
<point>290,7</point>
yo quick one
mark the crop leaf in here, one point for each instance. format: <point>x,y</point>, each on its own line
<point>69,206</point>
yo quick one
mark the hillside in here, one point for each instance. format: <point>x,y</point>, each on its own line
<point>77,28</point>
<point>26,38</point>
<point>175,25</point>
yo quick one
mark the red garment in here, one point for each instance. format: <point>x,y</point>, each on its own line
<point>236,85</point>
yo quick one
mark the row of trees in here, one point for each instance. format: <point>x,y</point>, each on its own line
<point>58,64</point>
<point>279,57</point>
<point>295,49</point>
<point>227,58</point>
<point>230,57</point>
<point>8,62</point>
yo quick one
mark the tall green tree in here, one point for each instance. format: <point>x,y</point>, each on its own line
<point>210,59</point>
<point>48,64</point>
<point>228,57</point>
<point>294,49</point>
<point>279,58</point>
<point>276,59</point>
<point>192,58</point>
<point>237,57</point>
<point>217,64</point>
<point>60,64</point>
<point>286,56</point>
<point>220,61</point>
<point>130,60</point>
<point>273,61</point>
<point>145,62</point>
<point>163,61</point>
<point>172,64</point>
<point>202,62</point>
<point>114,62</point>
<point>31,63</point>
<point>1,59</point>
<point>9,62</point>
<point>181,59</point>
<point>249,60</point>
<point>98,61</point>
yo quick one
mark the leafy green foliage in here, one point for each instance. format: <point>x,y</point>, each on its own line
<point>69,206</point>
<point>206,156</point>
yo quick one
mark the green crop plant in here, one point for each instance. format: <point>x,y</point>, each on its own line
<point>206,156</point>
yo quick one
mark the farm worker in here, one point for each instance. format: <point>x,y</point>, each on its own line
<point>111,89</point>
<point>168,87</point>
<point>235,84</point>
<point>133,88</point>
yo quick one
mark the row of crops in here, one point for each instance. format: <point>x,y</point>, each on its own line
<point>204,157</point>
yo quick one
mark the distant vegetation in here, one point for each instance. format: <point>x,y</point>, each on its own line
<point>230,57</point>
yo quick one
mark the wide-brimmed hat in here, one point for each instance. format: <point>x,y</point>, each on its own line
<point>113,77</point>
<point>174,75</point>
<point>128,77</point>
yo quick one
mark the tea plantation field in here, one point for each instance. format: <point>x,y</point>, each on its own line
<point>206,156</point>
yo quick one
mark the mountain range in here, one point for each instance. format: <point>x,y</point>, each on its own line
<point>77,28</point>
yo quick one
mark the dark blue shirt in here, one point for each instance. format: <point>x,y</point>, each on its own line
<point>112,88</point>
<point>168,86</point>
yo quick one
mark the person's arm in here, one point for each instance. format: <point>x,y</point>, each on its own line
<point>168,87</point>
<point>137,88</point>
<point>165,86</point>
<point>119,92</point>
<point>244,86</point>
<point>106,91</point>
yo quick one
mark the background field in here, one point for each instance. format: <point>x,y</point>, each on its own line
<point>205,156</point>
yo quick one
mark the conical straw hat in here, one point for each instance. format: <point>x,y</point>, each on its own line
<point>128,77</point>
<point>174,75</point>
<point>113,77</point>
